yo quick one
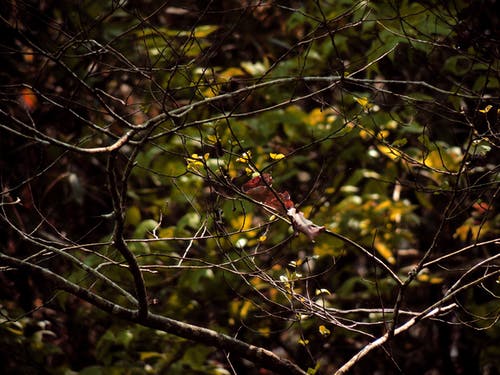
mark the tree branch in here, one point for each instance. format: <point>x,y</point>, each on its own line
<point>381,340</point>
<point>118,238</point>
<point>258,355</point>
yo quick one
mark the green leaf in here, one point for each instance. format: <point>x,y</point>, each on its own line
<point>190,220</point>
<point>458,65</point>
<point>144,228</point>
<point>133,216</point>
<point>399,142</point>
<point>313,371</point>
<point>484,82</point>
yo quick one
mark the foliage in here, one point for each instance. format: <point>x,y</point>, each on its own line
<point>138,143</point>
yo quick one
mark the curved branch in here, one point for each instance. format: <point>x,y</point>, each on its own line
<point>367,253</point>
<point>429,312</point>
<point>381,340</point>
<point>495,241</point>
<point>119,240</point>
<point>206,336</point>
<point>45,246</point>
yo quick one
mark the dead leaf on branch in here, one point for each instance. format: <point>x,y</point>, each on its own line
<point>301,224</point>
<point>260,189</point>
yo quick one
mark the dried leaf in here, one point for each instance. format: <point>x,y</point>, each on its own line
<point>257,181</point>
<point>258,188</point>
<point>306,226</point>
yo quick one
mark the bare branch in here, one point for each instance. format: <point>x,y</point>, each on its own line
<point>198,334</point>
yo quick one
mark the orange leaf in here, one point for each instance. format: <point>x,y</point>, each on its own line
<point>258,188</point>
<point>28,99</point>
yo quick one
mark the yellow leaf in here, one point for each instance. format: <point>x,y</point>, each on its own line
<point>148,355</point>
<point>434,160</point>
<point>245,309</point>
<point>211,91</point>
<point>436,280</point>
<point>212,139</point>
<point>391,153</point>
<point>471,230</point>
<point>229,73</point>
<point>193,164</point>
<point>363,102</point>
<point>462,232</point>
<point>205,30</point>
<point>383,134</point>
<point>242,222</point>
<point>364,134</point>
<point>442,160</point>
<point>321,116</point>
<point>322,291</point>
<point>15,331</point>
<point>245,157</point>
<point>262,238</point>
<point>276,156</point>
<point>233,173</point>
<point>324,331</point>
<point>486,109</point>
<point>254,69</point>
<point>316,116</point>
<point>383,205</point>
<point>383,250</point>
<point>303,342</point>
<point>425,277</point>
<point>265,331</point>
<point>327,249</point>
